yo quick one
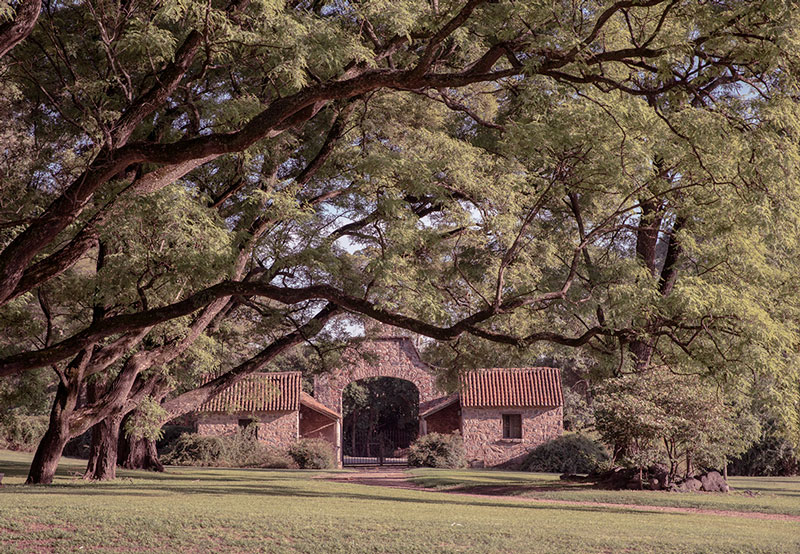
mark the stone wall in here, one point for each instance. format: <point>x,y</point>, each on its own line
<point>381,357</point>
<point>447,420</point>
<point>482,429</point>
<point>277,429</point>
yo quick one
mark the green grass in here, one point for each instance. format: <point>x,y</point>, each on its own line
<point>196,510</point>
<point>774,495</point>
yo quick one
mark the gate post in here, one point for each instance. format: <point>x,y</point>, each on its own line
<point>339,451</point>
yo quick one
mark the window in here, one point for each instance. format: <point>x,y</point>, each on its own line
<point>512,426</point>
<point>243,423</point>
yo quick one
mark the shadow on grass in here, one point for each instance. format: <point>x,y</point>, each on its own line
<point>336,492</point>
<point>271,491</point>
<point>74,469</point>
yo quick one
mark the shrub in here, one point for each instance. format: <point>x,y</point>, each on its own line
<point>21,432</point>
<point>566,454</point>
<point>192,449</point>
<point>771,456</point>
<point>275,459</point>
<point>239,450</point>
<point>313,454</point>
<point>79,447</point>
<point>438,450</point>
<point>169,437</point>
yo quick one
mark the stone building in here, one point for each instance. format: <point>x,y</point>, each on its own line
<point>501,413</point>
<point>275,402</point>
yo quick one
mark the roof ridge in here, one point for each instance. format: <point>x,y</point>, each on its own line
<point>530,368</point>
<point>274,373</point>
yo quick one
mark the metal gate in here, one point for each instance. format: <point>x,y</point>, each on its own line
<point>380,448</point>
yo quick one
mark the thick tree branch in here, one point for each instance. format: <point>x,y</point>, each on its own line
<point>191,400</point>
<point>20,26</point>
<point>131,322</point>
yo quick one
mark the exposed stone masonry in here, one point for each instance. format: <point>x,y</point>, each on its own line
<point>277,429</point>
<point>482,429</point>
<point>379,357</point>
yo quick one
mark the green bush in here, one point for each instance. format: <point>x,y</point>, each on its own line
<point>21,432</point>
<point>239,450</point>
<point>192,449</point>
<point>438,450</point>
<point>313,454</point>
<point>169,437</point>
<point>79,447</point>
<point>275,459</point>
<point>566,454</point>
<point>771,456</point>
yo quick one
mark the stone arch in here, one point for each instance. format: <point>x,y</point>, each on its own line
<point>377,357</point>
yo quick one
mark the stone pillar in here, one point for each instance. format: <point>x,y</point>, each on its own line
<point>339,443</point>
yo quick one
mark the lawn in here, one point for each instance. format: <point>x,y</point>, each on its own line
<point>774,495</point>
<point>193,510</point>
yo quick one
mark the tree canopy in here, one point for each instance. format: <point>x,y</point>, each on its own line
<point>180,178</point>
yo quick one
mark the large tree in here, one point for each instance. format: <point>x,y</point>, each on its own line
<point>617,176</point>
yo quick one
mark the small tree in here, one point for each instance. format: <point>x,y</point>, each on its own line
<point>658,416</point>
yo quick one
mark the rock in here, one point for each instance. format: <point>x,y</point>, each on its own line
<point>660,474</point>
<point>691,485</point>
<point>714,482</point>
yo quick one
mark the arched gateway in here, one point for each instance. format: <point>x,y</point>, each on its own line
<point>392,356</point>
<point>378,357</point>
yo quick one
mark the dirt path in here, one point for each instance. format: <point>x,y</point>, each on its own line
<point>400,480</point>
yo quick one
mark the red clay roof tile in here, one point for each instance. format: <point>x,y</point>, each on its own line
<point>528,387</point>
<point>260,392</point>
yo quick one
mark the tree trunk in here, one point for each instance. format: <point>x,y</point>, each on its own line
<point>138,454</point>
<point>48,453</point>
<point>102,464</point>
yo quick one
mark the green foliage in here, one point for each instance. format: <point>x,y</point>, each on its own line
<point>658,417</point>
<point>438,450</point>
<point>145,422</point>
<point>578,415</point>
<point>435,203</point>
<point>21,432</point>
<point>239,450</point>
<point>28,394</point>
<point>375,405</point>
<point>772,454</point>
<point>194,449</point>
<point>313,454</point>
<point>170,435</point>
<point>574,453</point>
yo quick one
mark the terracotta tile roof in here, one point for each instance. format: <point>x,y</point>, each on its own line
<point>433,406</point>
<point>310,402</point>
<point>260,392</point>
<point>486,388</point>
